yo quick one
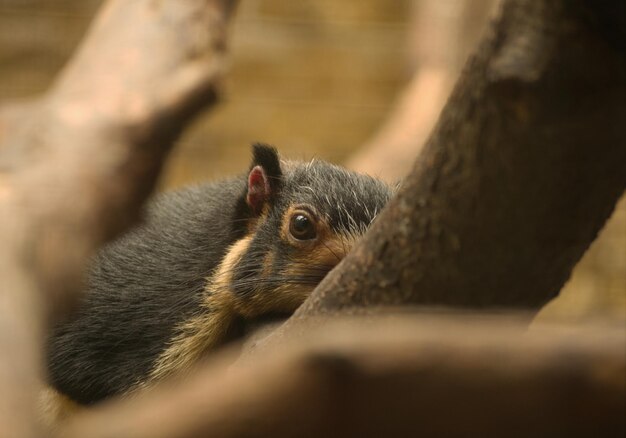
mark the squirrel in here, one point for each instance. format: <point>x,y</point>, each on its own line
<point>206,261</point>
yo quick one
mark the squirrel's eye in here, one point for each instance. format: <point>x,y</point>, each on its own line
<point>302,227</point>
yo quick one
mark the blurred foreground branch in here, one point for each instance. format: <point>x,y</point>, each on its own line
<point>402,376</point>
<point>76,163</point>
<point>442,35</point>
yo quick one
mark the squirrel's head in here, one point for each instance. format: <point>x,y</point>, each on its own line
<point>298,221</point>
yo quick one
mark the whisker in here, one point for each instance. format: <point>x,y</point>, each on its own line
<point>332,252</point>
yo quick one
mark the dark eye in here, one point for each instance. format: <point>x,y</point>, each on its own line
<point>301,226</point>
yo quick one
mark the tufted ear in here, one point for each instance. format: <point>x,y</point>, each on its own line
<point>264,178</point>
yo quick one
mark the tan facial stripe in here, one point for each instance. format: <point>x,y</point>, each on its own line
<point>287,297</point>
<point>224,274</point>
<point>201,333</point>
<point>268,263</point>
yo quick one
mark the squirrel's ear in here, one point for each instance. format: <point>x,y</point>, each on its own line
<point>264,178</point>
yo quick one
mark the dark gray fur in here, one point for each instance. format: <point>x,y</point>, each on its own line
<point>141,286</point>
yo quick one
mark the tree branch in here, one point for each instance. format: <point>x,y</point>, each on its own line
<point>410,376</point>
<point>442,35</point>
<point>76,163</point>
<point>524,167</point>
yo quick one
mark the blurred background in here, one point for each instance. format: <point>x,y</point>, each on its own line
<point>357,82</point>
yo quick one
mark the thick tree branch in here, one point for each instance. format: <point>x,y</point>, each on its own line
<point>76,164</point>
<point>411,376</point>
<point>523,169</point>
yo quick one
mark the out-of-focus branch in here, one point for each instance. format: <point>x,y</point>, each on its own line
<point>402,376</point>
<point>443,34</point>
<point>76,163</point>
<point>389,154</point>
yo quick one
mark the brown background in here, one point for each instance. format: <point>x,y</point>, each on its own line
<point>313,77</point>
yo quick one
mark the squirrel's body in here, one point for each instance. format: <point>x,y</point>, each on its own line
<point>140,288</point>
<point>206,260</point>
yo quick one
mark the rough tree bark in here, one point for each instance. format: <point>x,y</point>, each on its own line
<point>524,167</point>
<point>76,164</point>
